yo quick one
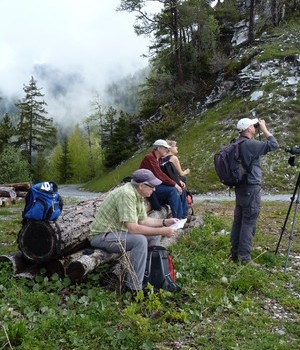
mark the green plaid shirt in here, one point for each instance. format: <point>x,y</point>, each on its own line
<point>124,204</point>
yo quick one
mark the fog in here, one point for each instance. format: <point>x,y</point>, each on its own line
<point>73,48</point>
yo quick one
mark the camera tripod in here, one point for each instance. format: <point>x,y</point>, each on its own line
<point>296,192</point>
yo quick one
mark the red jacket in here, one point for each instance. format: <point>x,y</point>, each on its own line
<point>150,162</point>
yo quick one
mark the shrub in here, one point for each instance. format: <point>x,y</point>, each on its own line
<point>14,168</point>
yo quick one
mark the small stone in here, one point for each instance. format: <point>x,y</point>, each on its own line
<point>224,280</point>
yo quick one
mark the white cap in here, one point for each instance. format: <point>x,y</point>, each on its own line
<point>243,124</point>
<point>161,143</point>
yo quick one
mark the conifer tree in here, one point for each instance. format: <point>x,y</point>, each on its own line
<point>64,162</point>
<point>35,131</point>
<point>6,131</point>
<point>121,144</point>
<point>110,119</point>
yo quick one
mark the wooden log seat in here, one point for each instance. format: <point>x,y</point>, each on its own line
<point>63,247</point>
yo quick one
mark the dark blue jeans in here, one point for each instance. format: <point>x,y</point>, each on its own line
<point>246,212</point>
<point>169,195</point>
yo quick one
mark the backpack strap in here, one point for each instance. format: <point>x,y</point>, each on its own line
<point>240,140</point>
<point>58,247</point>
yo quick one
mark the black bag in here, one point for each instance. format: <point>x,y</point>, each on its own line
<point>159,270</point>
<point>169,169</point>
<point>228,164</point>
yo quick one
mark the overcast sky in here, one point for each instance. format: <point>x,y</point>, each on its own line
<point>73,48</point>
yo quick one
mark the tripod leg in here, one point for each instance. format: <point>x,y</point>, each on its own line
<point>292,230</point>
<point>288,213</point>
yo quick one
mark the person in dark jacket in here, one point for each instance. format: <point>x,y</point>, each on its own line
<point>248,196</point>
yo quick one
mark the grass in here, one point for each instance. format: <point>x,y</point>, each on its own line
<point>197,143</point>
<point>223,305</point>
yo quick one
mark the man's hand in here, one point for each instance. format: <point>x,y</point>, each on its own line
<point>179,189</point>
<point>262,127</point>
<point>171,221</point>
<point>182,184</point>
<point>167,231</point>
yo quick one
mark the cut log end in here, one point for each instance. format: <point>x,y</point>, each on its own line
<point>38,241</point>
<point>76,271</point>
<point>17,261</point>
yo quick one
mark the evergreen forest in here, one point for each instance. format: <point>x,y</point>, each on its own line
<point>196,48</point>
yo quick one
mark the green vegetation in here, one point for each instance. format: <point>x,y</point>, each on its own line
<point>223,305</point>
<point>199,140</point>
<point>200,137</point>
<point>191,51</point>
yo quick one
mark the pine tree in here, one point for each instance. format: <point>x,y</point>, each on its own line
<point>6,131</point>
<point>35,131</point>
<point>64,166</point>
<point>121,144</point>
<point>110,119</point>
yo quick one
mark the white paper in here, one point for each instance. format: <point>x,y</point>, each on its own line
<point>178,224</point>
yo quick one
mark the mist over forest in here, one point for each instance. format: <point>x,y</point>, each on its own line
<point>69,99</point>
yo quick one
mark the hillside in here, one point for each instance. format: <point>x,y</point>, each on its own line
<point>259,81</point>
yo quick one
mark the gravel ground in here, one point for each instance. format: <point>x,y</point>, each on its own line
<point>75,191</point>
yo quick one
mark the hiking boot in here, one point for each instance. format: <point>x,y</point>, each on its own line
<point>233,258</point>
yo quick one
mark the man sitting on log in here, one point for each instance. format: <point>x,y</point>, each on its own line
<point>121,224</point>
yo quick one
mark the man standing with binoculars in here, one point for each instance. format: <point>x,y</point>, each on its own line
<point>248,196</point>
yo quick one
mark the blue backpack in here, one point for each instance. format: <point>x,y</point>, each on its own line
<point>42,202</point>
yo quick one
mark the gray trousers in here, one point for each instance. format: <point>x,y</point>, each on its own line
<point>136,244</point>
<point>246,212</point>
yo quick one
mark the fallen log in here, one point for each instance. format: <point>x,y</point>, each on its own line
<point>74,256</point>
<point>42,241</point>
<point>17,261</point>
<point>20,186</point>
<point>79,268</point>
<point>91,258</point>
<point>8,192</point>
<point>21,194</point>
<point>11,193</point>
<point>5,201</point>
<point>22,267</point>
